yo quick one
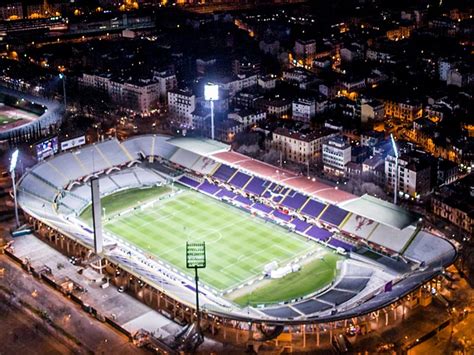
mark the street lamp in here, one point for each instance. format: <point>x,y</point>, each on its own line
<point>211,93</point>
<point>13,162</point>
<point>396,182</point>
<point>63,78</point>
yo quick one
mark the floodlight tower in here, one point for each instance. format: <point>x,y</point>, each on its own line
<point>211,94</point>
<point>63,78</point>
<point>13,162</point>
<point>396,182</point>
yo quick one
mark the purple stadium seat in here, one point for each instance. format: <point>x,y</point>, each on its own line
<point>334,215</point>
<point>313,208</point>
<point>224,172</point>
<point>294,200</point>
<point>336,243</point>
<point>239,180</point>
<point>243,200</point>
<point>208,188</point>
<point>300,225</point>
<point>256,186</point>
<point>188,181</point>
<point>318,233</point>
<point>261,207</point>
<point>282,216</point>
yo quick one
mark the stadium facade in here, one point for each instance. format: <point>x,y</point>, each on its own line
<point>388,254</point>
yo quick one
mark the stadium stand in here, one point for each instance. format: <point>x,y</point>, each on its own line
<point>112,152</point>
<point>351,284</point>
<point>204,166</point>
<point>189,182</point>
<point>281,312</point>
<point>313,208</point>
<point>92,160</point>
<point>336,297</point>
<point>300,225</point>
<point>390,238</point>
<point>208,188</point>
<point>318,233</point>
<point>49,172</point>
<point>243,200</point>
<point>256,186</point>
<point>184,158</point>
<point>281,215</point>
<point>225,193</point>
<point>224,173</point>
<point>38,187</point>
<point>138,146</point>
<point>239,180</point>
<point>336,243</point>
<point>311,306</point>
<point>359,226</point>
<point>262,208</point>
<point>333,215</point>
<point>294,200</point>
<point>162,149</point>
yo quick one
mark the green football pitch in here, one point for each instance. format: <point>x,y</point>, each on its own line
<point>238,244</point>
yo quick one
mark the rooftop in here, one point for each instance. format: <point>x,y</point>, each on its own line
<point>380,211</point>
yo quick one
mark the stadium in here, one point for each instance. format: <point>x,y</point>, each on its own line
<point>282,249</point>
<point>22,113</point>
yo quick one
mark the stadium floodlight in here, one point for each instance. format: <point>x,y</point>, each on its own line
<point>63,78</point>
<point>13,162</point>
<point>196,259</point>
<point>211,94</point>
<point>395,179</point>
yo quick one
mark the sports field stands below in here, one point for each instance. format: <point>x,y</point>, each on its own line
<point>262,208</point>
<point>239,180</point>
<point>313,208</point>
<point>243,200</point>
<point>208,188</point>
<point>205,165</point>
<point>225,193</point>
<point>43,190</point>
<point>256,186</point>
<point>300,226</point>
<point>333,215</point>
<point>184,158</point>
<point>336,243</point>
<point>294,200</point>
<point>189,182</point>
<point>224,173</point>
<point>300,183</point>
<point>284,217</point>
<point>318,233</point>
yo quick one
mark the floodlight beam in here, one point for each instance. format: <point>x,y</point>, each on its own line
<point>13,162</point>
<point>395,178</point>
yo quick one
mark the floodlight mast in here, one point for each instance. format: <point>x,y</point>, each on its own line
<point>63,78</point>
<point>13,162</point>
<point>211,93</point>
<point>395,182</point>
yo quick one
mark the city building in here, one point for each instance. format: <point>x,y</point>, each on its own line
<point>181,105</point>
<point>305,51</point>
<point>301,146</point>
<point>372,111</point>
<point>138,95</point>
<point>406,110</point>
<point>166,80</point>
<point>414,175</point>
<point>455,203</point>
<point>303,109</point>
<point>336,155</point>
<point>277,107</point>
<point>13,11</point>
